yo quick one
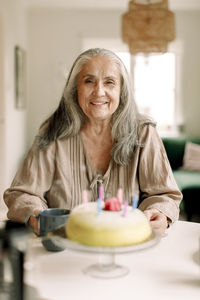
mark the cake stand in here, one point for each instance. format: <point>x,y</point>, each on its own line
<point>106,266</point>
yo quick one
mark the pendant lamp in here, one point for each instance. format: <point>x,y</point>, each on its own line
<point>148,26</point>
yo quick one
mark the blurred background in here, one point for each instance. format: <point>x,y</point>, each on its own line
<point>39,40</point>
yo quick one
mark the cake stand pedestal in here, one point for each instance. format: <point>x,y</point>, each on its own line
<point>105,267</point>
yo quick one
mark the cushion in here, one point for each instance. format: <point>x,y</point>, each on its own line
<point>191,158</point>
<point>187,179</point>
<point>175,148</point>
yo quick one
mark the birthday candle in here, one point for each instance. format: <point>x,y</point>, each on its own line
<point>85,197</point>
<point>120,195</point>
<point>135,202</point>
<point>125,209</point>
<point>98,206</point>
<point>101,193</point>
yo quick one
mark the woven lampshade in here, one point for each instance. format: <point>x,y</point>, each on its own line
<point>148,27</point>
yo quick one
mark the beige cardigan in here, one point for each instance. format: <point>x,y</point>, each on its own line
<point>57,175</point>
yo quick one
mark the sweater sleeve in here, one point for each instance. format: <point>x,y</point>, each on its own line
<point>31,183</point>
<point>157,184</point>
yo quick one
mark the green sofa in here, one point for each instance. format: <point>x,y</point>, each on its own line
<point>188,181</point>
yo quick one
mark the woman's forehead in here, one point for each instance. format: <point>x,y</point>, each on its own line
<point>103,65</point>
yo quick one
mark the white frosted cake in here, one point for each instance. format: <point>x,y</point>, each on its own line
<point>107,228</point>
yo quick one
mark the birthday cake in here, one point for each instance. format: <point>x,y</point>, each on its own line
<point>111,225</point>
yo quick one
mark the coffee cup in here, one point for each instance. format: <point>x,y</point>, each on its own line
<point>52,218</point>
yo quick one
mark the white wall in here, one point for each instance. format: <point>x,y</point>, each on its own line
<point>13,30</point>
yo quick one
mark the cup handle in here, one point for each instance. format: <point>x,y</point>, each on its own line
<point>37,217</point>
<point>38,224</point>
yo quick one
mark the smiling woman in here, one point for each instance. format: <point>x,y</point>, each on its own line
<point>95,138</point>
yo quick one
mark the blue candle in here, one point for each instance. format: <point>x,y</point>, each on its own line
<point>98,206</point>
<point>135,202</point>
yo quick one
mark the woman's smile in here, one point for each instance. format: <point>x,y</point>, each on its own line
<point>98,103</point>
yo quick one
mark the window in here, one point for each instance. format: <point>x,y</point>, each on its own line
<point>153,79</point>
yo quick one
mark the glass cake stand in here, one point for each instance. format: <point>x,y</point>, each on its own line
<point>106,266</point>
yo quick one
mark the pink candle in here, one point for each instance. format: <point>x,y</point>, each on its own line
<point>101,193</point>
<point>120,195</point>
<point>84,197</point>
<point>125,209</point>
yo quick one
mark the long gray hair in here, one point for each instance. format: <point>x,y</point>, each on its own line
<point>68,118</point>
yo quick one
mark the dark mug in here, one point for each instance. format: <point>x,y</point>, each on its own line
<point>52,218</point>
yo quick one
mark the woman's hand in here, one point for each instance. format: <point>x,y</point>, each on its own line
<point>157,220</point>
<point>33,222</point>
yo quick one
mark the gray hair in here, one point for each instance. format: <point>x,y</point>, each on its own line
<point>68,119</point>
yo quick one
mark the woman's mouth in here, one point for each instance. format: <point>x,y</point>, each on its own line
<point>98,103</point>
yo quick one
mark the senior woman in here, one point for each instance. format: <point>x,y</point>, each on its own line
<point>95,137</point>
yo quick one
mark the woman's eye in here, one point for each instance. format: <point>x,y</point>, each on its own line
<point>88,81</point>
<point>110,82</point>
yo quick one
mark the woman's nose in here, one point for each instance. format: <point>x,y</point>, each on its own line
<point>99,89</point>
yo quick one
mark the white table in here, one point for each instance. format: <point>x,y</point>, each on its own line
<point>168,271</point>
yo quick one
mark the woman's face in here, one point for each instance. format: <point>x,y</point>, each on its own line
<point>99,88</point>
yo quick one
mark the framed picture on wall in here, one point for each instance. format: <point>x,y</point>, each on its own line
<point>20,77</point>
